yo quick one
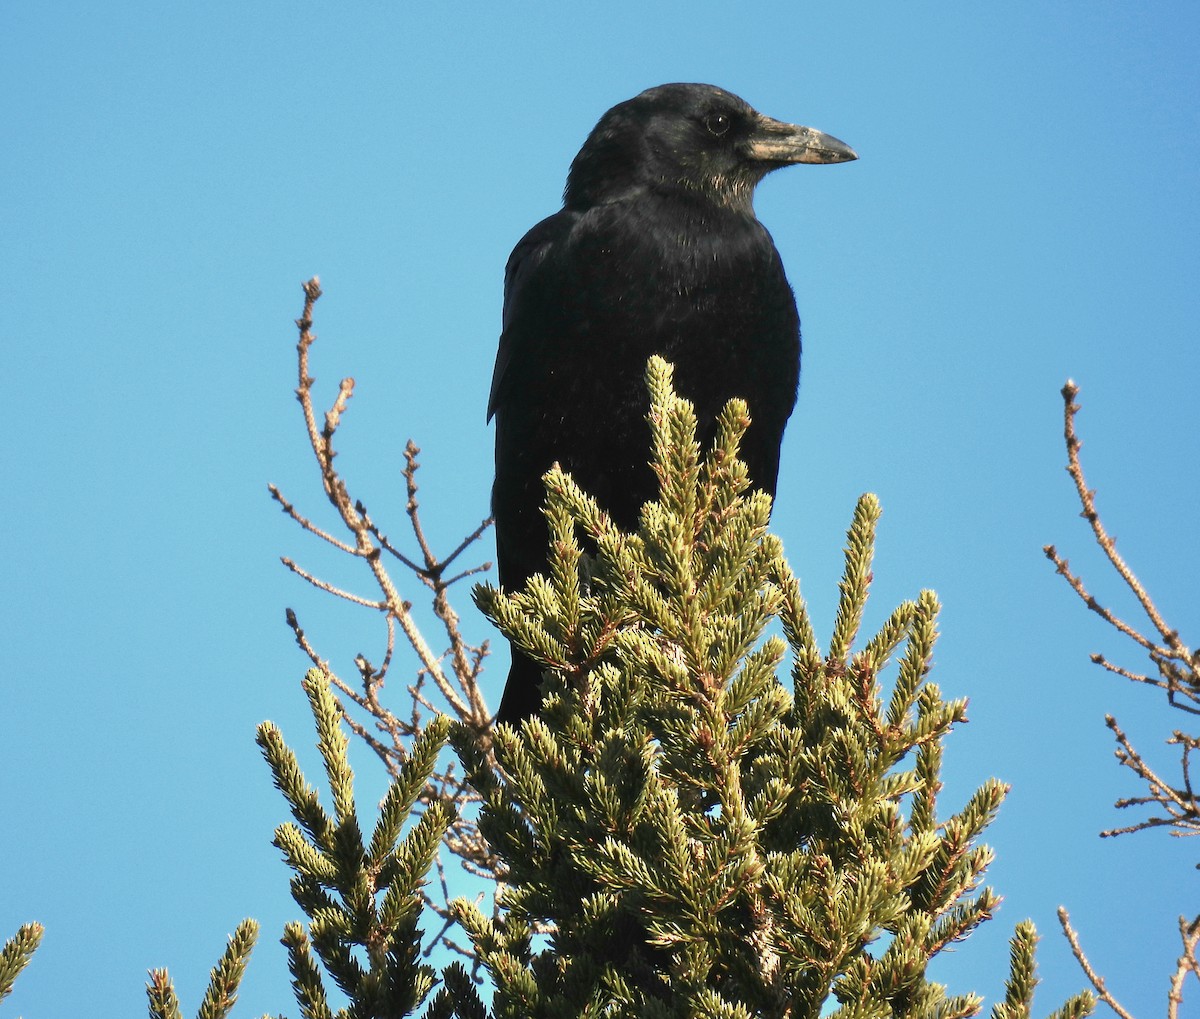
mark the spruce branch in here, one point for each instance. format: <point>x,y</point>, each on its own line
<point>164,1002</point>
<point>700,838</point>
<point>16,954</point>
<point>223,982</point>
<point>364,901</point>
<point>856,579</point>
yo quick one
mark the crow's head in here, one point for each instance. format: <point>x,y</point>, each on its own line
<point>691,138</point>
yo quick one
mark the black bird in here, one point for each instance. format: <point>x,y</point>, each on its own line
<point>656,250</point>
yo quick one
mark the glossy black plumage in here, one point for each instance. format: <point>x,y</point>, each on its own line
<point>656,250</point>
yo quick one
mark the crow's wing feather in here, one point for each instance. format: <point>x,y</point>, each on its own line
<point>527,257</point>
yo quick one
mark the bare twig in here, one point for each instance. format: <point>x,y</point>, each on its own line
<point>307,524</point>
<point>454,674</point>
<point>1183,812</point>
<point>1097,981</point>
<point>337,592</point>
<point>1176,664</point>
<point>1172,806</point>
<point>1089,599</point>
<point>1087,498</point>
<point>1175,661</point>
<point>1135,677</point>
<point>335,489</point>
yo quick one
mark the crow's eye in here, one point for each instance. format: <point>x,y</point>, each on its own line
<point>717,123</point>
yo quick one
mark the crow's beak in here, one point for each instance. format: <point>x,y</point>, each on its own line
<point>775,142</point>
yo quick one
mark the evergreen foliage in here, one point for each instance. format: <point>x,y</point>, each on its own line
<point>698,838</point>
<point>17,952</point>
<point>362,898</point>
<point>223,982</point>
<point>681,833</point>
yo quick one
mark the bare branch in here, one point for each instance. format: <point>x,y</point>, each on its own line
<point>1189,934</point>
<point>1182,810</point>
<point>1175,662</point>
<point>466,543</point>
<point>411,467</point>
<point>1172,807</point>
<point>1135,677</point>
<point>329,588</point>
<point>1087,498</point>
<point>305,646</point>
<point>307,524</point>
<point>1094,978</point>
<point>454,673</point>
<point>1063,567</point>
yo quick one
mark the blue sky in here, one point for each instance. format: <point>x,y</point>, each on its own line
<point>1025,209</point>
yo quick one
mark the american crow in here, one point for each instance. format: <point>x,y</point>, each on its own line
<point>656,250</point>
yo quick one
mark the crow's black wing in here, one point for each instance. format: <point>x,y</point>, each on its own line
<point>518,394</point>
<point>520,290</point>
